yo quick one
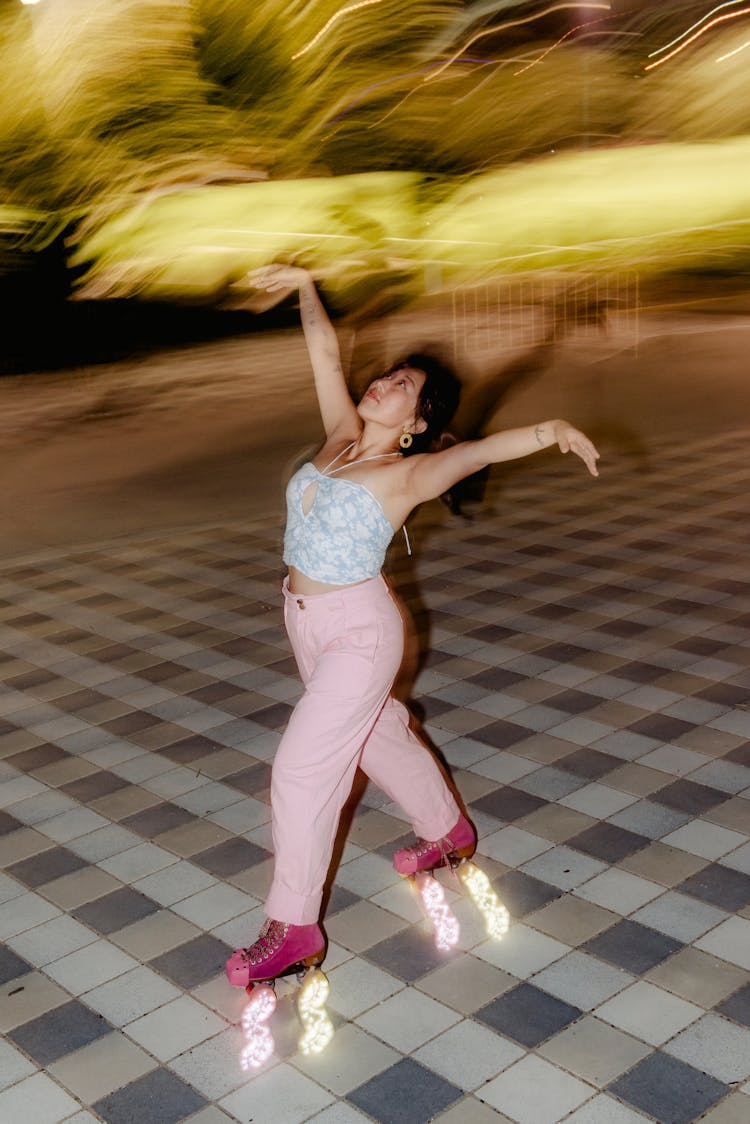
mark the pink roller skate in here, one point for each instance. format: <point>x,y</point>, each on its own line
<point>453,850</point>
<point>280,950</point>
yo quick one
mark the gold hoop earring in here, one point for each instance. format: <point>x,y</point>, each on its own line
<point>405,440</point>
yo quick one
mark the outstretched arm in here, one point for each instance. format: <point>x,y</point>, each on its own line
<point>336,407</point>
<point>434,473</point>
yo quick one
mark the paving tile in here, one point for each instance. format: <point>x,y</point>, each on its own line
<point>212,1066</point>
<point>720,886</point>
<point>668,1090</point>
<point>468,1055</point>
<point>131,995</point>
<point>508,804</point>
<point>697,977</point>
<point>230,857</point>
<point>533,1091</point>
<point>115,910</point>
<point>159,1097</point>
<point>23,1001</point>
<point>648,1012</point>
<point>13,1065</point>
<point>362,925</point>
<point>715,1046</point>
<point>154,935</point>
<point>605,1110</point>
<point>687,796</point>
<point>571,920</point>
<point>594,1051</point>
<point>175,1027</point>
<point>732,1110</point>
<point>356,986</point>
<point>101,1067</point>
<point>680,916</point>
<point>51,940</point>
<point>193,962</point>
<point>50,864</point>
<point>563,867</point>
<point>608,842</point>
<point>619,891</point>
<point>729,941</point>
<point>407,1093</point>
<point>58,1032</point>
<point>407,1020</point>
<point>527,1015</point>
<point>281,1093</point>
<point>633,947</point>
<point>662,864</point>
<point>12,966</point>
<point>90,966</point>
<point>708,840</point>
<point>582,980</point>
<point>409,954</point>
<point>737,1007</point>
<point>522,952</point>
<point>466,983</point>
<point>36,1099</point>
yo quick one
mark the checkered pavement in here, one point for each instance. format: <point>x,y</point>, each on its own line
<point>585,677</point>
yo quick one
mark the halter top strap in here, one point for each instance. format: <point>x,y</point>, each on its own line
<point>360,460</point>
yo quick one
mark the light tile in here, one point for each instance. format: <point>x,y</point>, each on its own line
<point>363,925</point>
<point>21,1004</point>
<point>466,983</point>
<point>137,862</point>
<point>582,980</point>
<point>716,1046</point>
<point>214,905</point>
<point>619,891</point>
<point>535,1092</point>
<point>175,882</point>
<point>51,940</point>
<point>408,1019</point>
<point>212,1067</point>
<point>598,800</point>
<point>571,920</point>
<point>708,840</point>
<point>649,1013</point>
<point>101,1067</point>
<point>606,1110</point>
<point>563,867</point>
<point>28,910</point>
<point>468,1055</point>
<point>175,1027</point>
<point>729,941</point>
<point>514,846</point>
<point>131,995</point>
<point>356,986</point>
<point>522,952</point>
<point>594,1051</point>
<point>281,1093</point>
<point>352,1058</point>
<point>13,1065</point>
<point>679,916</point>
<point>36,1100</point>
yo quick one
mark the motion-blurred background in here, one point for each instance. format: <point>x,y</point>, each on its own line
<point>500,177</point>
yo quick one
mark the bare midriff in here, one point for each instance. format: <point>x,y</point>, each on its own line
<point>300,583</point>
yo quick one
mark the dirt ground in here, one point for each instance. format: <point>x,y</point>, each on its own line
<point>191,436</point>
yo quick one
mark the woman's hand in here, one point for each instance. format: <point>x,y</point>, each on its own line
<point>273,278</point>
<point>571,439</point>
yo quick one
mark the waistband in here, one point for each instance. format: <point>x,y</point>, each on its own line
<point>336,598</point>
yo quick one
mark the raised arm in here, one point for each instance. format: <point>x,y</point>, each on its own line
<point>336,407</point>
<point>434,473</point>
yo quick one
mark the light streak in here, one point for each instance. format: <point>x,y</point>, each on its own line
<point>444,921</point>
<point>572,31</point>
<point>260,1044</point>
<point>702,31</point>
<point>511,23</point>
<point>736,51</point>
<point>718,8</point>
<point>495,915</point>
<point>336,16</point>
<point>311,1006</point>
<point>396,78</point>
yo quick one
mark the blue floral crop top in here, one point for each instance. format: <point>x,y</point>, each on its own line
<point>343,537</point>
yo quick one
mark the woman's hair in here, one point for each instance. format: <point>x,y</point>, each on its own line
<point>438,399</point>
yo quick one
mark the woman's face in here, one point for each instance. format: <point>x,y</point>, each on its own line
<point>393,399</point>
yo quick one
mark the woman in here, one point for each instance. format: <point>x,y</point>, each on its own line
<point>346,630</point>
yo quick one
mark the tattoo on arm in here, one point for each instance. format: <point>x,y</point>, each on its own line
<point>538,431</point>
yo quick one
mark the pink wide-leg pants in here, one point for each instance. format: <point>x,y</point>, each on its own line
<point>348,645</point>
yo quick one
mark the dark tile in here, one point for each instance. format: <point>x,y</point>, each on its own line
<point>59,1032</point>
<point>255,779</point>
<point>562,653</point>
<point>433,707</point>
<point>608,842</point>
<point>740,755</point>
<point>632,946</point>
<point>80,700</point>
<point>490,634</point>
<point>189,749</point>
<point>687,796</point>
<point>501,734</point>
<point>527,1015</point>
<point>522,894</point>
<point>95,785</point>
<point>407,1093</point>
<point>720,886</point>
<point>194,962</point>
<point>340,898</point>
<point>496,678</point>
<point>737,1006</point>
<point>274,717</point>
<point>37,757</point>
<point>572,702</point>
<point>725,694</point>
<point>662,727</point>
<point>214,692</point>
<point>116,910</point>
<point>159,1097</point>
<point>589,763</point>
<point>508,803</point>
<point>42,868</point>
<point>668,1090</point>
<point>161,817</point>
<point>131,723</point>
<point>12,966</point>
<point>230,857</point>
<point>408,955</point>
<point>9,823</point>
<point>638,672</point>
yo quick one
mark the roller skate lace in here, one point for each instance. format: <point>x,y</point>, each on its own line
<point>269,941</point>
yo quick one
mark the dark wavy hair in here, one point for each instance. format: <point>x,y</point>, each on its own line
<point>438,399</point>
